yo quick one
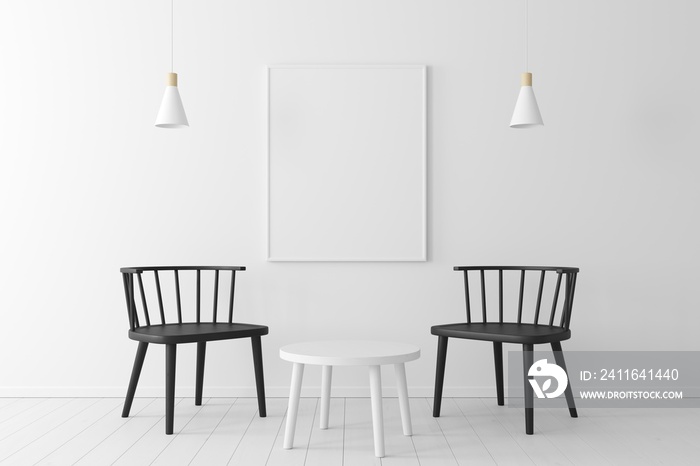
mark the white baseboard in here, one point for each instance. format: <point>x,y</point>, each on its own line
<point>224,392</point>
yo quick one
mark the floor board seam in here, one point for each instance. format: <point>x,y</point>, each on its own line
<point>175,435</point>
<point>25,409</point>
<point>142,435</point>
<point>475,431</point>
<point>212,431</point>
<point>40,417</point>
<point>279,429</point>
<point>42,435</point>
<point>536,431</point>
<point>111,433</point>
<point>311,431</point>
<point>86,428</point>
<point>342,461</point>
<point>89,430</point>
<point>10,403</point>
<point>242,437</point>
<point>437,422</point>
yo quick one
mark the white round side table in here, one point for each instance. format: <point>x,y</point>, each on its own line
<point>350,353</point>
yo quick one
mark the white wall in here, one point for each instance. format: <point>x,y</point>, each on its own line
<point>88,184</point>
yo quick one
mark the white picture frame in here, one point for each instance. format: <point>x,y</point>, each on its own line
<point>346,171</point>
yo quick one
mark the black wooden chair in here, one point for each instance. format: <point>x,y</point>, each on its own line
<point>513,330</point>
<point>198,330</point>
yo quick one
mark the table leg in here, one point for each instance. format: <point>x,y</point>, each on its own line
<point>293,408</point>
<point>375,386</point>
<point>326,375</point>
<point>403,398</point>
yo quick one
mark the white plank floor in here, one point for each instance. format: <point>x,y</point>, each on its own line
<point>474,431</point>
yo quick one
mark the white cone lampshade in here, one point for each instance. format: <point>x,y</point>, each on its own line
<point>171,113</point>
<point>526,113</point>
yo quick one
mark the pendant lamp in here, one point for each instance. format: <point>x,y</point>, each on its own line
<point>527,112</point>
<point>171,113</point>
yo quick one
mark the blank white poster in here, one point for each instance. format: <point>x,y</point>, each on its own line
<point>347,163</point>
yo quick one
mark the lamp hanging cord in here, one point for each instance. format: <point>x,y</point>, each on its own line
<point>527,36</point>
<point>171,35</point>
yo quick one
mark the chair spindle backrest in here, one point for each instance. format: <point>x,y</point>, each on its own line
<point>564,310</point>
<point>128,274</point>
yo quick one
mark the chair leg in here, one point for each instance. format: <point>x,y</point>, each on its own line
<point>559,359</point>
<point>135,373</point>
<point>199,383</point>
<point>439,375</point>
<point>259,379</point>
<point>170,355</point>
<point>498,360</point>
<point>529,393</point>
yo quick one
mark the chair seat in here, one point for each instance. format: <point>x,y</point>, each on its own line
<point>505,332</point>
<point>193,332</point>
